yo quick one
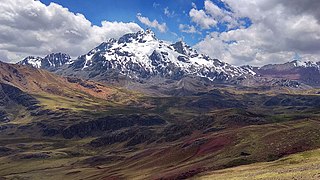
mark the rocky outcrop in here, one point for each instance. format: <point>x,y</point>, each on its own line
<point>292,100</point>
<point>11,93</point>
<point>133,137</point>
<point>111,123</point>
<point>215,99</point>
<point>5,151</point>
<point>175,132</point>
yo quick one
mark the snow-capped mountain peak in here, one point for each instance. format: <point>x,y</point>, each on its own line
<point>140,36</point>
<point>295,64</point>
<point>50,62</point>
<point>32,61</point>
<point>298,63</point>
<point>141,55</point>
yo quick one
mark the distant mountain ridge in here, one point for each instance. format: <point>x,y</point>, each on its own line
<point>307,72</point>
<point>50,62</point>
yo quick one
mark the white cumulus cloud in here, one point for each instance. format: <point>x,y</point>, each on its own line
<point>162,27</point>
<point>188,29</point>
<point>29,27</point>
<point>212,15</point>
<point>202,19</point>
<point>279,30</point>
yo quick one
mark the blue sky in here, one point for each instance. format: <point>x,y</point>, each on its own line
<point>239,32</point>
<point>127,10</point>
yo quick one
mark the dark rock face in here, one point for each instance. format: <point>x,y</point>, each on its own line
<point>35,156</point>
<point>116,137</point>
<point>110,123</point>
<point>134,136</point>
<point>102,160</point>
<point>49,132</point>
<point>182,48</point>
<point>40,112</point>
<point>183,58</point>
<point>3,99</point>
<point>241,119</point>
<point>202,122</point>
<point>141,136</point>
<point>175,132</point>
<point>285,83</point>
<point>16,95</point>
<point>274,101</point>
<point>291,100</point>
<point>5,151</point>
<point>215,99</point>
<point>3,117</point>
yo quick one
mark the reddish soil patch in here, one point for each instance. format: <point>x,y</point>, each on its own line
<point>213,145</point>
<point>34,80</point>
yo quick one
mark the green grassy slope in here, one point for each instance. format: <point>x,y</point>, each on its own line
<point>304,165</point>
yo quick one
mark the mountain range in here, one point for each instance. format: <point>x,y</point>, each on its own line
<point>141,57</point>
<point>141,108</point>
